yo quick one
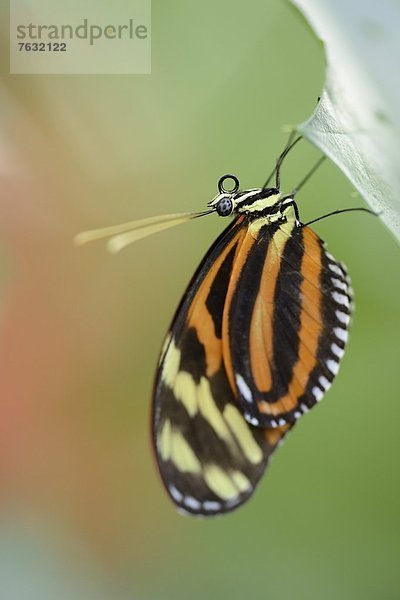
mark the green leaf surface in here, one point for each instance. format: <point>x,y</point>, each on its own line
<point>357,121</point>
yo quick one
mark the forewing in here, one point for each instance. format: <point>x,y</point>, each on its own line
<point>285,323</point>
<point>209,457</point>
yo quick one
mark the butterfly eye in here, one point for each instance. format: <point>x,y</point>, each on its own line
<point>224,207</point>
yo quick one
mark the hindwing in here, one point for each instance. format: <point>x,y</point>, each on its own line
<point>285,322</point>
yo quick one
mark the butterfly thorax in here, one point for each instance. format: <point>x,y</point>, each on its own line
<point>279,223</point>
<point>257,202</point>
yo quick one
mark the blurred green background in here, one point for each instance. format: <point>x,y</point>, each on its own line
<point>83,513</point>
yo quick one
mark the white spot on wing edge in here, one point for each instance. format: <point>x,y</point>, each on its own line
<point>341,299</point>
<point>341,334</point>
<point>341,285</point>
<point>176,495</point>
<point>250,419</point>
<point>191,502</point>
<point>337,351</point>
<point>211,505</point>
<point>317,393</point>
<point>324,382</point>
<point>244,389</point>
<point>335,269</point>
<point>343,317</point>
<point>333,366</point>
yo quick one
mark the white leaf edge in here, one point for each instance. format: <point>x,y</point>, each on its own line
<point>357,120</point>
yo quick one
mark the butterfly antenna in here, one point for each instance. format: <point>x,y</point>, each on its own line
<point>343,210</point>
<point>308,176</point>
<point>276,171</point>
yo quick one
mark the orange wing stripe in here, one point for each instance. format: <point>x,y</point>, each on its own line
<point>199,316</point>
<point>240,260</point>
<point>261,329</point>
<point>310,329</point>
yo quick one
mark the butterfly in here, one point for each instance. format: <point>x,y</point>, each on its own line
<point>254,344</point>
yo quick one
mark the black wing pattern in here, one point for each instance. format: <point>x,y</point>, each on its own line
<point>210,458</point>
<point>285,323</point>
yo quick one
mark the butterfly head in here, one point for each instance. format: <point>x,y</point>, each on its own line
<point>254,202</point>
<point>224,203</point>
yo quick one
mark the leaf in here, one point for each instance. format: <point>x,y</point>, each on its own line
<point>357,121</point>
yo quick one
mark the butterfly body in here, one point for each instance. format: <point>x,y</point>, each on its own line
<point>254,344</point>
